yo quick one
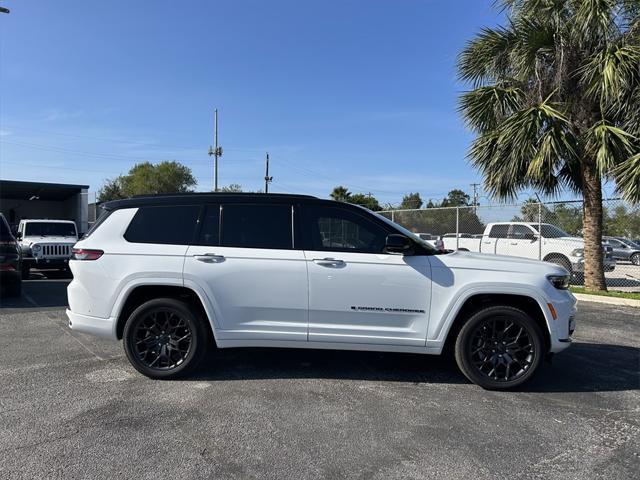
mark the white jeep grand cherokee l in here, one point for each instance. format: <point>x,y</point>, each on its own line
<point>175,275</point>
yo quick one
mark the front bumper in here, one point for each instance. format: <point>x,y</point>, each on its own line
<point>563,326</point>
<point>577,265</point>
<point>36,262</point>
<point>101,327</point>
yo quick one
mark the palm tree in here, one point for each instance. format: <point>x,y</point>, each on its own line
<point>556,104</point>
<point>340,194</point>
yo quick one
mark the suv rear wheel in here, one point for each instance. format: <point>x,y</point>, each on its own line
<point>165,338</point>
<point>499,348</point>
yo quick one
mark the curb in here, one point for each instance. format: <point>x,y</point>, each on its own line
<point>628,302</point>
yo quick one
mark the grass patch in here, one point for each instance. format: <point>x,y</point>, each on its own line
<point>631,295</point>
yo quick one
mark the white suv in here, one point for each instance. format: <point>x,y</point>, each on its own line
<point>175,275</point>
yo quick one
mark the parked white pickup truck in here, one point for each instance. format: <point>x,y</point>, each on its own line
<point>522,239</point>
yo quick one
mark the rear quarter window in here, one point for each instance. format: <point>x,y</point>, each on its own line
<point>173,225</point>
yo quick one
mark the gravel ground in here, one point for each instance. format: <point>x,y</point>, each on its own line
<point>72,407</point>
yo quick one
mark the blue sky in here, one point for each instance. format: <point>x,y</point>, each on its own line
<point>360,93</point>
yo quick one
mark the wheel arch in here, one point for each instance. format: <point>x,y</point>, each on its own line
<point>475,302</point>
<point>557,255</point>
<point>141,293</point>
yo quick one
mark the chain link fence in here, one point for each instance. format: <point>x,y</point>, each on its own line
<point>545,231</point>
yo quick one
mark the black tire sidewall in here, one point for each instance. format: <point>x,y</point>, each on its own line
<point>198,333</point>
<point>462,353</point>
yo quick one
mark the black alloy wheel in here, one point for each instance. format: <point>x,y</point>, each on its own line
<point>499,347</point>
<point>164,338</point>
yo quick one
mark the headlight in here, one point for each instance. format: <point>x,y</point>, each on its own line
<point>36,248</point>
<point>561,282</point>
<point>578,252</point>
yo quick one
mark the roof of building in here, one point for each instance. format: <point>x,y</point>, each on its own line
<point>19,190</point>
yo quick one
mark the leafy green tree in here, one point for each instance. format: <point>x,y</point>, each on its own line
<point>622,221</point>
<point>556,103</point>
<point>147,178</point>
<point>367,201</point>
<point>340,194</point>
<point>232,188</point>
<point>411,201</point>
<point>456,198</point>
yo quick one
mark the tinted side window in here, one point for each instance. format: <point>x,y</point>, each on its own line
<point>499,231</point>
<point>337,229</point>
<point>257,226</point>
<point>173,225</point>
<point>521,232</point>
<point>210,232</point>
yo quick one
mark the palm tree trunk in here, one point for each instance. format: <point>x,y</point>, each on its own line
<point>592,224</point>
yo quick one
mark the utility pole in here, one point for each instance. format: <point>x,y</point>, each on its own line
<point>267,178</point>
<point>475,195</point>
<point>216,150</point>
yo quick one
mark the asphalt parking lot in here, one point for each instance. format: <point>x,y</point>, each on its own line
<point>72,407</point>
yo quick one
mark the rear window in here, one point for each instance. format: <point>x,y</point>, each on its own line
<point>173,225</point>
<point>256,226</point>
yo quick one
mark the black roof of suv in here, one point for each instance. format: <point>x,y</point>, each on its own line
<point>202,198</point>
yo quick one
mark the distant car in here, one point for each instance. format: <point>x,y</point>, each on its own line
<point>10,260</point>
<point>624,249</point>
<point>46,243</point>
<point>434,240</point>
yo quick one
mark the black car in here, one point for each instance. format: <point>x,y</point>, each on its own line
<point>10,261</point>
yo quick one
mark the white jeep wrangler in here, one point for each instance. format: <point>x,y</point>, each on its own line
<point>173,276</point>
<point>46,244</point>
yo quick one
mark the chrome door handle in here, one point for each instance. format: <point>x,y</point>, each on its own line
<point>210,258</point>
<point>329,262</point>
<point>514,243</point>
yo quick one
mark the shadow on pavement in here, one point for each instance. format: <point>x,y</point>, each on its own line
<point>38,293</point>
<point>584,367</point>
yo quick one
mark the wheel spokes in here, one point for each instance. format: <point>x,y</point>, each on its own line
<point>501,352</point>
<point>162,339</point>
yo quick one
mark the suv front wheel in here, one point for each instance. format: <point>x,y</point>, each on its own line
<point>165,338</point>
<point>499,348</point>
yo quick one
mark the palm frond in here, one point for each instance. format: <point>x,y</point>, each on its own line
<point>527,149</point>
<point>608,144</point>
<point>611,72</point>
<point>486,57</point>
<point>485,107</point>
<point>627,176</point>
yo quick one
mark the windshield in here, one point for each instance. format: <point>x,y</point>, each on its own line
<point>406,232</point>
<point>550,231</point>
<point>52,229</point>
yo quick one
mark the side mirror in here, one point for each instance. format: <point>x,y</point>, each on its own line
<point>397,243</point>
<point>534,238</point>
<point>18,235</point>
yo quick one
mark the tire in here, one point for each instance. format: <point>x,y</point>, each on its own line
<point>563,262</point>
<point>171,355</point>
<point>635,259</point>
<point>483,361</point>
<point>26,271</point>
<point>14,289</point>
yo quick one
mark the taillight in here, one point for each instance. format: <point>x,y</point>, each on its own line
<point>85,254</point>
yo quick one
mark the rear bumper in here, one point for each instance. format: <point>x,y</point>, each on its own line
<point>10,276</point>
<point>101,327</point>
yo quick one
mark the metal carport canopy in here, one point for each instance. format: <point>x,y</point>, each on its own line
<point>18,190</point>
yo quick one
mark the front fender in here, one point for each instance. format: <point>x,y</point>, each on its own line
<point>438,330</point>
